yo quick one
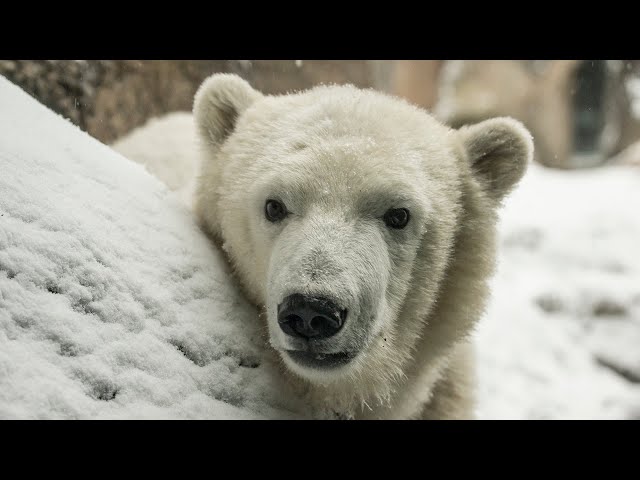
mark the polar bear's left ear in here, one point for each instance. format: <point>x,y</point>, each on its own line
<point>499,150</point>
<point>218,103</point>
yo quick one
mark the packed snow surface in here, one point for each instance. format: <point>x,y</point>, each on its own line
<point>114,305</point>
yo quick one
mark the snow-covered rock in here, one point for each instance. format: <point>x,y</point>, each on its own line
<point>112,303</point>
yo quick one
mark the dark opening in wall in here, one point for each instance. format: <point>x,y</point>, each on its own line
<point>588,105</point>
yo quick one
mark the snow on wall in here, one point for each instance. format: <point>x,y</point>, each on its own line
<point>112,302</point>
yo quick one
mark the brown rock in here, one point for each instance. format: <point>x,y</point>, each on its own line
<point>109,98</point>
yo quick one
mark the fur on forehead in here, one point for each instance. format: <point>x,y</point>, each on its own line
<point>344,121</point>
<point>224,101</point>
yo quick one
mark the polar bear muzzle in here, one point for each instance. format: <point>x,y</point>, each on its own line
<point>310,317</point>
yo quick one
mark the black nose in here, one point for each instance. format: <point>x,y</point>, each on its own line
<point>310,317</point>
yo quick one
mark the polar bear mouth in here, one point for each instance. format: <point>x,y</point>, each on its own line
<point>320,360</point>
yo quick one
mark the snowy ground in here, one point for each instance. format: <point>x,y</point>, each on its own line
<point>561,338</point>
<point>114,305</point>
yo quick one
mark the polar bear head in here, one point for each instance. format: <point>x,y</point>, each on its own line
<point>353,219</point>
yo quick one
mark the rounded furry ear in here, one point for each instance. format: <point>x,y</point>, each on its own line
<point>218,103</point>
<point>499,150</point>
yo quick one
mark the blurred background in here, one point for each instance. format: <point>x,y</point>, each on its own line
<point>582,113</point>
<point>561,337</point>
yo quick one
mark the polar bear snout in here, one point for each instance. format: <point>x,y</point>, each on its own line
<point>310,317</point>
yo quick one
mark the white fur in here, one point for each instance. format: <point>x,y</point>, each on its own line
<point>338,158</point>
<point>167,147</point>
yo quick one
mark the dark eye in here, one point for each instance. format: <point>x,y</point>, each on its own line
<point>275,211</point>
<point>396,217</point>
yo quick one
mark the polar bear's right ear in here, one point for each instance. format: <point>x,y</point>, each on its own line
<point>218,103</point>
<point>499,150</point>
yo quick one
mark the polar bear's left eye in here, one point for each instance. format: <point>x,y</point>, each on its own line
<point>396,217</point>
<point>275,211</point>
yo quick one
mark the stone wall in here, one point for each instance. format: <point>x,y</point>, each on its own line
<point>108,98</point>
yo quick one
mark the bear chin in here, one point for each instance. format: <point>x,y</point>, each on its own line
<point>321,369</point>
<point>320,361</point>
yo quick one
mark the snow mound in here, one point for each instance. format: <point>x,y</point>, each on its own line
<point>112,303</point>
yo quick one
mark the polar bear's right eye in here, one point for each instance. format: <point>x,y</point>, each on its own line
<point>396,218</point>
<point>275,211</point>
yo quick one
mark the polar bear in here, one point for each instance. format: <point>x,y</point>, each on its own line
<point>364,230</point>
<point>167,147</point>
